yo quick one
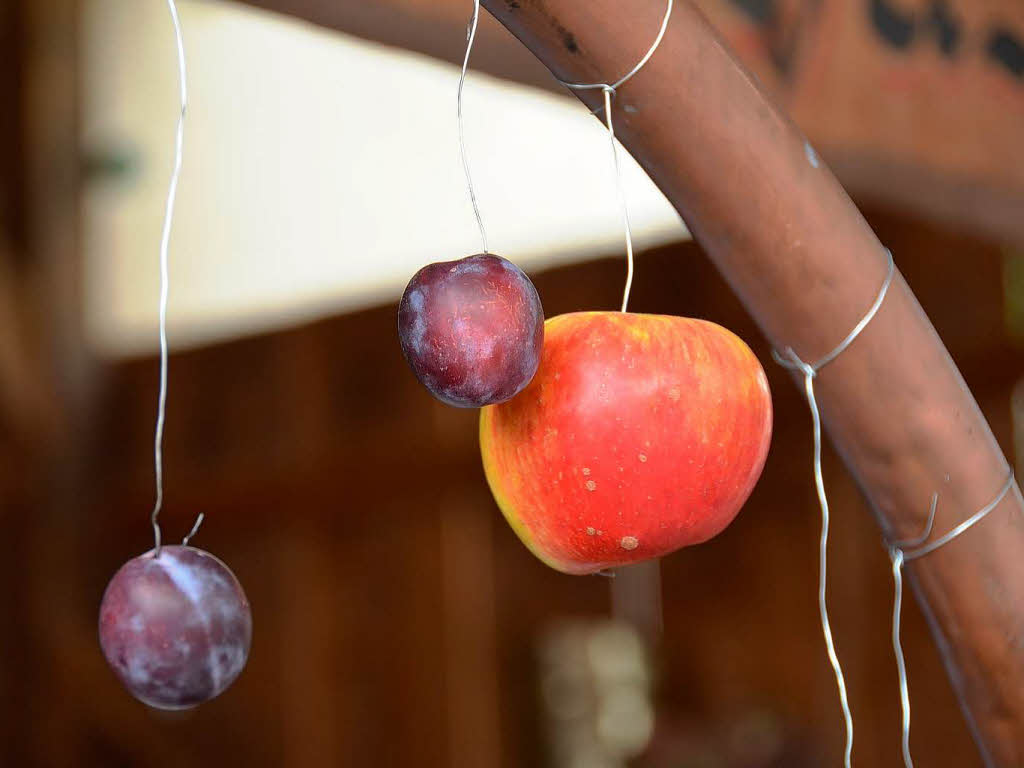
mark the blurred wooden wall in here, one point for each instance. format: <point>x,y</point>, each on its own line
<point>44,371</point>
<point>397,615</point>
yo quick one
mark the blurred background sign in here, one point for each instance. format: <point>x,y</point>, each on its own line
<point>914,103</point>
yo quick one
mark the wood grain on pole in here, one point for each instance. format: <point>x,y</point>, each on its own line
<point>807,266</point>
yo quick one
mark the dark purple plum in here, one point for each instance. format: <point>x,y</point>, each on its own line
<point>472,329</point>
<point>175,628</point>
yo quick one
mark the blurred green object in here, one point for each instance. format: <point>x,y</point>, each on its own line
<point>1013,295</point>
<point>116,163</point>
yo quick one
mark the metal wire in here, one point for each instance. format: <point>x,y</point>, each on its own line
<point>826,626</point>
<point>609,90</point>
<point>809,371</point>
<point>622,198</point>
<point>195,529</point>
<point>972,520</point>
<point>471,36</point>
<point>900,556</point>
<point>901,664</point>
<point>165,237</point>
<point>639,65</point>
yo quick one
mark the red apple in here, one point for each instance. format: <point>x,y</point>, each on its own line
<point>639,435</point>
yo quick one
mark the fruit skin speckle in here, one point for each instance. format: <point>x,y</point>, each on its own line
<point>176,629</point>
<point>472,330</point>
<point>669,418</point>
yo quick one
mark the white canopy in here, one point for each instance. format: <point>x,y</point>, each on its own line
<point>320,173</point>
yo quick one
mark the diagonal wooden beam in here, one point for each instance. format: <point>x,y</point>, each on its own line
<point>807,266</point>
<point>435,28</point>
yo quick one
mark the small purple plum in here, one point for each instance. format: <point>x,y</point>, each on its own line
<point>175,627</point>
<point>472,330</point>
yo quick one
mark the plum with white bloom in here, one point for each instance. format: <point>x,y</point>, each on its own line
<point>175,627</point>
<point>472,330</point>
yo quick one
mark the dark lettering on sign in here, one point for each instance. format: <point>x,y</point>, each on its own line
<point>897,29</point>
<point>1006,49</point>
<point>941,21</point>
<point>780,31</point>
<point>761,11</point>
<point>937,23</point>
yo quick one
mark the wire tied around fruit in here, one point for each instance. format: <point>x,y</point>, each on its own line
<point>175,625</point>
<point>470,37</point>
<point>165,239</point>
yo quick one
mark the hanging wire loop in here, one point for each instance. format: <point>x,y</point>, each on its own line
<point>609,91</point>
<point>902,552</point>
<point>790,360</point>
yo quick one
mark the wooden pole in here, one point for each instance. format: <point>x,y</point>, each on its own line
<point>807,266</point>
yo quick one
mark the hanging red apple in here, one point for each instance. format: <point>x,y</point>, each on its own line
<point>639,435</point>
